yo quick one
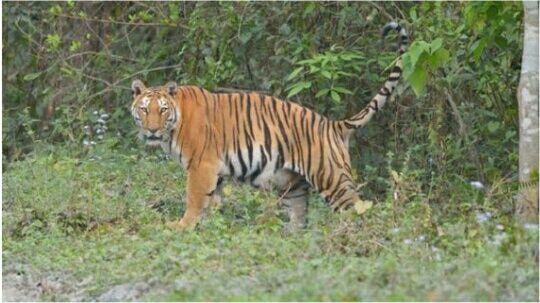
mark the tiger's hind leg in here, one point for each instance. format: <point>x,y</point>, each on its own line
<point>294,191</point>
<point>295,201</point>
<point>338,189</point>
<point>218,193</point>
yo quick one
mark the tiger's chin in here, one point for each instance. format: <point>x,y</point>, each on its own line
<point>153,142</point>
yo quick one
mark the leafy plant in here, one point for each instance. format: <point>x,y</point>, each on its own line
<point>420,57</point>
<point>327,71</point>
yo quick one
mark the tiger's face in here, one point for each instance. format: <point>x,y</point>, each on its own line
<point>154,110</point>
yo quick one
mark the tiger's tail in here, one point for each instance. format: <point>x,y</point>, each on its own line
<point>365,115</point>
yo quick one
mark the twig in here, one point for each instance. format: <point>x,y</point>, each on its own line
<point>462,132</point>
<point>99,54</point>
<point>382,11</point>
<point>115,84</point>
<point>400,11</point>
<point>455,111</point>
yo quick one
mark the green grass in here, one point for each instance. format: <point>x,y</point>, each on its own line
<point>94,224</point>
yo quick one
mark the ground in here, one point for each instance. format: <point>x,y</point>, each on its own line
<point>98,228</point>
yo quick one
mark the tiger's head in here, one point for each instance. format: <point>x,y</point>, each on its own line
<point>154,110</point>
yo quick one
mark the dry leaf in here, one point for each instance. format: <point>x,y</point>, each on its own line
<point>362,206</point>
<point>227,190</point>
<point>395,176</point>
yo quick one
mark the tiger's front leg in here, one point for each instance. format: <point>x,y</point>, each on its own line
<point>202,184</point>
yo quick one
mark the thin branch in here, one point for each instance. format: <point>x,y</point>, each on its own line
<point>115,84</point>
<point>100,54</point>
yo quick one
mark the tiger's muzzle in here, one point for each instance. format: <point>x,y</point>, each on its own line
<point>153,137</point>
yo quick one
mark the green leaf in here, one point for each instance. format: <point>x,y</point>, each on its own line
<point>298,87</point>
<point>307,62</point>
<point>413,14</point>
<point>75,45</point>
<point>295,73</point>
<point>477,48</point>
<point>244,37</point>
<point>53,41</point>
<point>284,29</point>
<point>67,71</point>
<point>418,80</point>
<point>309,9</point>
<point>440,56</point>
<point>352,56</point>
<point>31,76</point>
<point>313,69</point>
<point>493,126</point>
<point>322,92</point>
<point>436,45</point>
<point>510,134</point>
<point>443,54</point>
<point>335,96</point>
<point>433,61</point>
<point>416,50</point>
<point>407,66</point>
<point>326,74</point>
<point>342,90</point>
<point>341,73</point>
<point>111,142</point>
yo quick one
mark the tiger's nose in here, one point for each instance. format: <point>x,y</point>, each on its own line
<point>153,130</point>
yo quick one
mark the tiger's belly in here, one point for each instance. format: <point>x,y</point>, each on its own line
<point>255,168</point>
<point>280,179</point>
<point>258,170</point>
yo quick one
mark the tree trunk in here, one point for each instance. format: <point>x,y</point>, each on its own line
<point>527,199</point>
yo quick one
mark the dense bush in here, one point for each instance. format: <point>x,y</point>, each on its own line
<point>66,64</point>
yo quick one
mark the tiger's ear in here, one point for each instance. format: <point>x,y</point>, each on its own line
<point>171,87</point>
<point>137,87</point>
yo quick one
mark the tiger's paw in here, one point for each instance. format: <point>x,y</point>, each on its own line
<point>175,225</point>
<point>180,225</point>
<point>187,223</point>
<point>215,202</point>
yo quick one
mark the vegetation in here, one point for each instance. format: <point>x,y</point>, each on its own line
<point>87,210</point>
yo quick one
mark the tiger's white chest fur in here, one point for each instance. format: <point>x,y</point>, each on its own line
<point>175,152</point>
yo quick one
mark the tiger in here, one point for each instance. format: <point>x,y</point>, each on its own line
<point>257,139</point>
